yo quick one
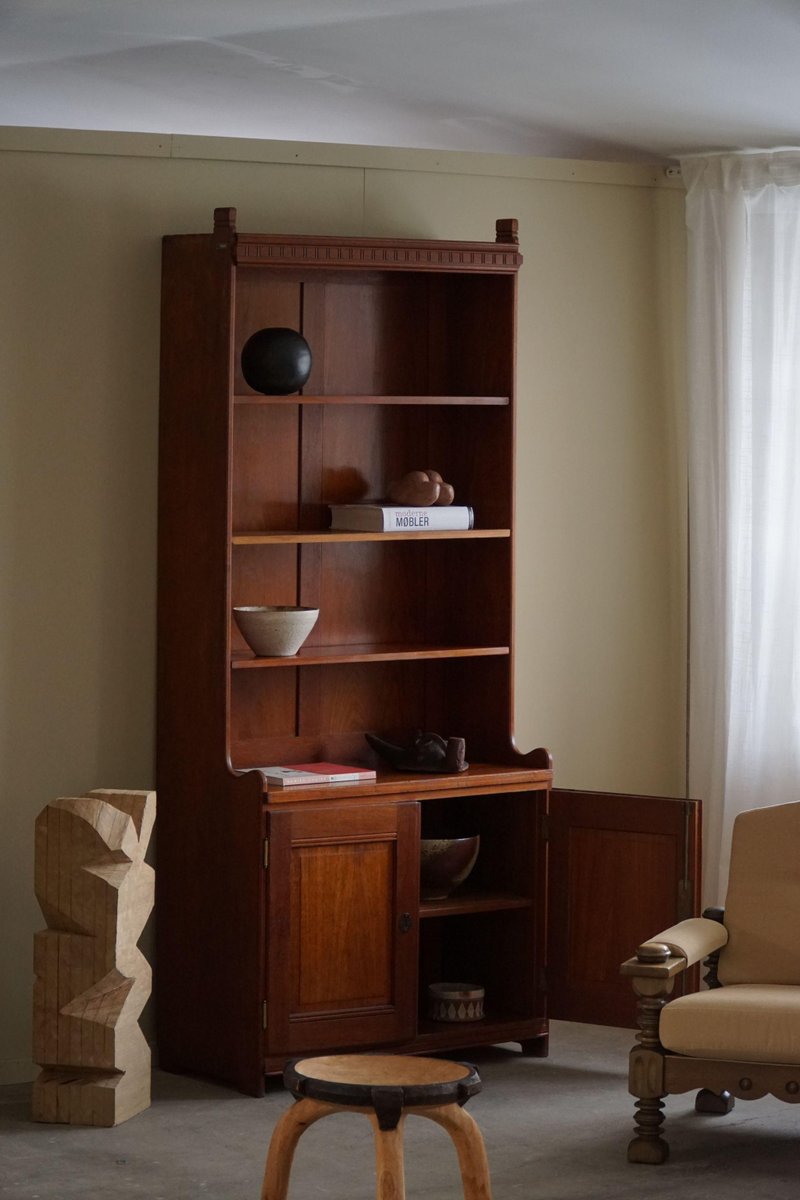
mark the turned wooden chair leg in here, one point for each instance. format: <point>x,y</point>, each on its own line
<point>389,1170</point>
<point>294,1122</point>
<point>717,1104</point>
<point>648,1146</point>
<point>646,1073</point>
<point>468,1141</point>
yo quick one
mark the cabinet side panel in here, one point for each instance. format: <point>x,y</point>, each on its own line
<point>193,529</point>
<point>209,931</point>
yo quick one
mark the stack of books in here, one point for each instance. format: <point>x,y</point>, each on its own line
<point>311,774</point>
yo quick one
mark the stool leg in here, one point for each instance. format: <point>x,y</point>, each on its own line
<point>468,1142</point>
<point>389,1173</point>
<point>285,1136</point>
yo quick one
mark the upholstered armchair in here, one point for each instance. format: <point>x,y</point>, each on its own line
<point>740,1037</point>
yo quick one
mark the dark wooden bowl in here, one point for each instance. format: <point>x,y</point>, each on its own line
<point>445,863</point>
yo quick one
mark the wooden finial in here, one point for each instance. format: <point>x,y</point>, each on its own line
<point>224,220</point>
<point>653,952</point>
<point>507,230</point>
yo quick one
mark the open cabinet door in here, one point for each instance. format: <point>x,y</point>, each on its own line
<point>620,869</point>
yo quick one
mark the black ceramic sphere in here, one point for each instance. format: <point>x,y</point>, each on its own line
<point>276,361</point>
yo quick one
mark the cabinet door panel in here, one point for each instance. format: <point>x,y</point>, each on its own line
<point>621,868</point>
<point>343,894</point>
<point>342,953</point>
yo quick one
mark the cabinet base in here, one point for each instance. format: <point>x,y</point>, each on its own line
<point>531,1036</point>
<point>538,1047</point>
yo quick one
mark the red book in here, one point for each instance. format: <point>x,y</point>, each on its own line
<point>309,774</point>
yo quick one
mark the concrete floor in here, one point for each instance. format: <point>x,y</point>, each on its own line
<point>555,1129</point>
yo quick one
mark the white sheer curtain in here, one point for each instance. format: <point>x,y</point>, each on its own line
<point>743,215</point>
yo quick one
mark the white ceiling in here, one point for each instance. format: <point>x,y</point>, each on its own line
<point>636,80</point>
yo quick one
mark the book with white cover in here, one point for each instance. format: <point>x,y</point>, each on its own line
<point>400,518</point>
<point>309,774</point>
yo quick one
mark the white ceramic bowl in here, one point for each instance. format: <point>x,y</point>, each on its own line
<point>275,630</point>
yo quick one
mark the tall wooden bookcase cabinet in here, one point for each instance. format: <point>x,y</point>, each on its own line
<point>290,921</point>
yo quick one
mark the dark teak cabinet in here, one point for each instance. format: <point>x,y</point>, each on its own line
<point>290,921</point>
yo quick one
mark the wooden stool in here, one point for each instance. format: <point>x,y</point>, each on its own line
<point>385,1087</point>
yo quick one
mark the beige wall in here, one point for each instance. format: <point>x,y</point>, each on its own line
<point>601,592</point>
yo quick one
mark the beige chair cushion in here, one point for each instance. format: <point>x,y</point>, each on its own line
<point>744,1022</point>
<point>762,908</point>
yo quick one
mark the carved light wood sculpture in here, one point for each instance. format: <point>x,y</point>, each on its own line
<point>96,892</point>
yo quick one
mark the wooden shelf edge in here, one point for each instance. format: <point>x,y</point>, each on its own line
<point>332,655</point>
<point>476,902</point>
<point>334,401</point>
<point>479,779</point>
<point>294,537</point>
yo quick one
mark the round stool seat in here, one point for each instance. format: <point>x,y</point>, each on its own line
<point>364,1080</point>
<point>384,1088</point>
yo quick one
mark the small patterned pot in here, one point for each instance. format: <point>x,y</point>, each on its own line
<point>455,1001</point>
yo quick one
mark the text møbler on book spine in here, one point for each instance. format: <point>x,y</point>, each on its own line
<point>396,518</point>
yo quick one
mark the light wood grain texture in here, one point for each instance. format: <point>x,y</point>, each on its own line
<point>398,1087</point>
<point>92,982</point>
<point>283,1143</point>
<point>381,1070</point>
<point>468,1141</point>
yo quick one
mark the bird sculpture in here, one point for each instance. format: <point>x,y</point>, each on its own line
<point>428,753</point>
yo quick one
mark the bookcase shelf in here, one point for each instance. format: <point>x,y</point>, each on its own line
<point>479,779</point>
<point>298,537</point>
<point>464,401</point>
<point>315,656</point>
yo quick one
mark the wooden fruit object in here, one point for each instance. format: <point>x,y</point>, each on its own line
<point>421,489</point>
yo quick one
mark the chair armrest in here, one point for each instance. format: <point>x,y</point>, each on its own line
<point>676,948</point>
